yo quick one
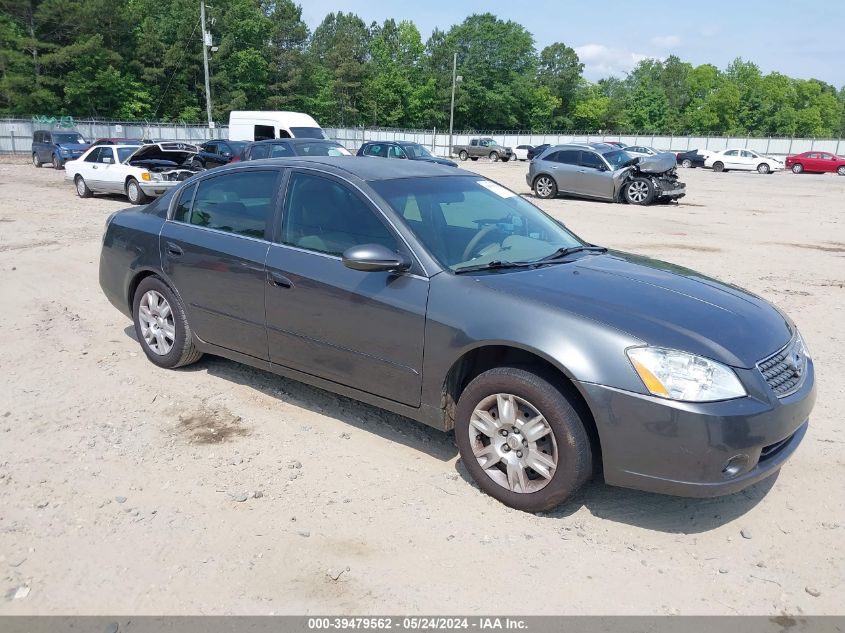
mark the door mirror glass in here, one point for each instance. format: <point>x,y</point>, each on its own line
<point>374,258</point>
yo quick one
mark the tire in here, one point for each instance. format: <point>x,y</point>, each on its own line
<point>36,161</point>
<point>638,191</point>
<point>545,187</point>
<point>686,163</point>
<point>474,158</point>
<point>509,398</point>
<point>197,164</point>
<point>494,157</point>
<point>506,159</point>
<point>719,166</point>
<point>463,155</point>
<point>82,189</point>
<point>56,162</point>
<point>134,192</point>
<point>841,170</point>
<point>797,168</point>
<point>182,350</point>
<point>763,168</point>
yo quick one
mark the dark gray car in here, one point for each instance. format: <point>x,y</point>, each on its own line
<point>443,296</point>
<point>604,172</point>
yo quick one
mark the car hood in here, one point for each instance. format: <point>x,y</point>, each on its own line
<point>656,164</point>
<point>175,152</point>
<point>660,303</point>
<point>439,161</point>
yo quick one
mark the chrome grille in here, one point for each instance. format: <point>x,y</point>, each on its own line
<point>785,370</point>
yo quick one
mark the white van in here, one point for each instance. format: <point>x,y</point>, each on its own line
<point>257,125</point>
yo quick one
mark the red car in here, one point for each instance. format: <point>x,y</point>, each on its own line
<point>816,162</point>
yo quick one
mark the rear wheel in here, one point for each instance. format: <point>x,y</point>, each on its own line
<point>134,192</point>
<point>545,187</point>
<point>639,191</point>
<point>162,326</point>
<point>797,168</point>
<point>763,168</point>
<point>686,163</point>
<point>522,439</point>
<point>463,155</point>
<point>36,161</point>
<point>494,156</point>
<point>719,166</point>
<point>82,189</point>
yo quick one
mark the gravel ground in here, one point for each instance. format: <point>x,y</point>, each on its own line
<point>221,489</point>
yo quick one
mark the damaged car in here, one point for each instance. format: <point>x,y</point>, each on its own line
<point>604,172</point>
<point>139,173</point>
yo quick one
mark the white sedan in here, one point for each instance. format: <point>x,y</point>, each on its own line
<point>742,160</point>
<point>520,152</point>
<point>140,173</point>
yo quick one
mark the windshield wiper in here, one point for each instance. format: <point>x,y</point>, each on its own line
<point>494,265</point>
<point>563,252</point>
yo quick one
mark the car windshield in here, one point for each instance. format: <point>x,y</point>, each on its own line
<point>68,137</point>
<point>125,152</point>
<point>617,159</point>
<point>470,221</point>
<point>308,132</point>
<point>416,150</point>
<point>321,149</point>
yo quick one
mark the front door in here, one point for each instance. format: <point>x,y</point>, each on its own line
<point>214,250</point>
<point>359,329</point>
<point>594,179</point>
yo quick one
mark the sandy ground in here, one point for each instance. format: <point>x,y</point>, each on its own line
<point>122,486</point>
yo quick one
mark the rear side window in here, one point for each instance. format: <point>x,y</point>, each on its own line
<point>376,149</point>
<point>259,151</point>
<point>566,156</point>
<point>95,155</point>
<point>239,202</point>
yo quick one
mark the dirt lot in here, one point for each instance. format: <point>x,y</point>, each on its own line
<point>221,489</point>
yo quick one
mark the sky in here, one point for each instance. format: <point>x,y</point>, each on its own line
<point>800,39</point>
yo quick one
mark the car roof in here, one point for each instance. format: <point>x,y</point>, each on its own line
<point>295,141</point>
<point>366,168</point>
<point>600,150</point>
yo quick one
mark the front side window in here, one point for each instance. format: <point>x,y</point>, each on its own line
<point>259,151</point>
<point>325,216</point>
<point>94,155</point>
<point>211,148</point>
<point>239,202</point>
<point>417,151</point>
<point>469,220</point>
<point>397,152</point>
<point>593,161</point>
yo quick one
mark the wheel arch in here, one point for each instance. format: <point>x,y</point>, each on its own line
<point>489,355</point>
<point>139,275</point>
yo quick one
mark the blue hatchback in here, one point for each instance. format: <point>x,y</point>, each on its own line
<point>55,147</point>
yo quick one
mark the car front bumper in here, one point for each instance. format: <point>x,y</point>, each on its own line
<point>155,188</point>
<point>696,449</point>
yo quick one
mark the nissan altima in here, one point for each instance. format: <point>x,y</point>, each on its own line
<point>442,296</point>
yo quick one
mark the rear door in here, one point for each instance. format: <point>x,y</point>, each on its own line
<point>214,248</point>
<point>359,329</point>
<point>564,167</point>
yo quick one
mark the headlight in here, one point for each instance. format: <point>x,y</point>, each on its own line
<point>677,375</point>
<point>802,345</point>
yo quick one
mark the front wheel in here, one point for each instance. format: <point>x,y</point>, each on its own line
<point>763,168</point>
<point>841,170</point>
<point>56,161</point>
<point>134,192</point>
<point>463,155</point>
<point>545,187</point>
<point>797,168</point>
<point>82,189</point>
<point>686,163</point>
<point>494,156</point>
<point>162,326</point>
<point>718,166</point>
<point>639,191</point>
<point>522,439</point>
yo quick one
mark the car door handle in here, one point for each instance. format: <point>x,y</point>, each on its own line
<point>174,250</point>
<point>93,167</point>
<point>279,280</point>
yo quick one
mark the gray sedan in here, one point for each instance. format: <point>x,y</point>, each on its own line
<point>445,297</point>
<point>604,172</point>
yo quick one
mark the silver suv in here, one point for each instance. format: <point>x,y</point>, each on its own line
<point>605,173</point>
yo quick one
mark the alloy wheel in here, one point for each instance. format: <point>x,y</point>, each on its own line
<point>686,163</point>
<point>513,443</point>
<point>637,192</point>
<point>544,187</point>
<point>80,187</point>
<point>157,325</point>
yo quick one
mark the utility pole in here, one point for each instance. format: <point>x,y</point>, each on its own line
<point>452,107</point>
<point>205,44</point>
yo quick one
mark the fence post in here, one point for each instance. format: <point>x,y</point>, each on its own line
<point>838,141</point>
<point>12,132</point>
<point>434,141</point>
<point>789,151</point>
<point>768,143</point>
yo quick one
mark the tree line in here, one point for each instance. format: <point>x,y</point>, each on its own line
<point>142,60</point>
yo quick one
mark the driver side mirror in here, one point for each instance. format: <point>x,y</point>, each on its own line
<point>375,258</point>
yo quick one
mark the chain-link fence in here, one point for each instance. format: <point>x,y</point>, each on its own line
<point>16,137</point>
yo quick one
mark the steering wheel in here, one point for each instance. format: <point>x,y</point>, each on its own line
<point>476,240</point>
